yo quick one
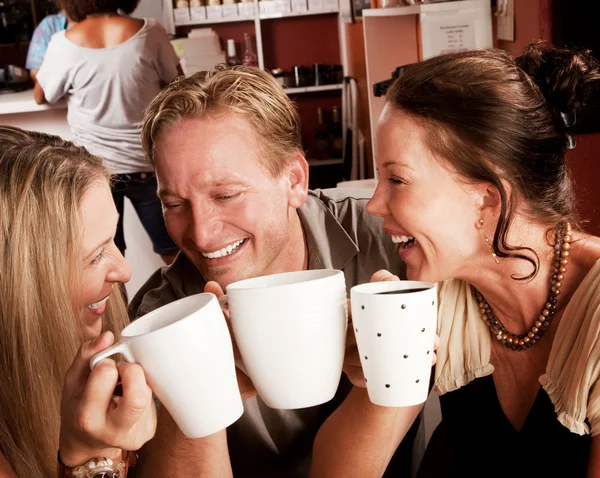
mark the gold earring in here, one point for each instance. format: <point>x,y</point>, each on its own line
<point>487,242</point>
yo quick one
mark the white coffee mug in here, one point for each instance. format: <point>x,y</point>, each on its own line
<point>186,352</point>
<point>290,329</point>
<point>395,325</point>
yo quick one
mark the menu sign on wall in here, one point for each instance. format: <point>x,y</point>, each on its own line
<point>448,34</point>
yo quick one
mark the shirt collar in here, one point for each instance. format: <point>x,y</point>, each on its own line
<point>329,245</point>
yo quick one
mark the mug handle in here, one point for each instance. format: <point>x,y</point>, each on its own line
<point>223,300</point>
<point>119,348</point>
<point>239,363</point>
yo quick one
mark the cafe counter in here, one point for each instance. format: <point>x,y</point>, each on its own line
<point>19,109</point>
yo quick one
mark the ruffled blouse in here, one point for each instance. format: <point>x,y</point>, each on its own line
<point>573,369</point>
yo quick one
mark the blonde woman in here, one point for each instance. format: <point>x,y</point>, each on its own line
<point>59,276</point>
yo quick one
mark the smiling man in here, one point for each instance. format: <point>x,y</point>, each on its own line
<point>233,181</point>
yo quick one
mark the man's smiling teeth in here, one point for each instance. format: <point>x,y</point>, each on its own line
<point>225,251</point>
<point>402,239</point>
<point>97,305</point>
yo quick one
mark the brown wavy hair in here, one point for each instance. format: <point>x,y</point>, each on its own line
<point>495,118</point>
<point>42,182</point>
<point>78,10</point>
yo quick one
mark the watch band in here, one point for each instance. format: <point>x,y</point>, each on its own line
<point>100,467</point>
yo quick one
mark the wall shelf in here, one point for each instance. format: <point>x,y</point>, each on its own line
<point>269,16</point>
<point>213,21</point>
<point>313,89</point>
<point>422,8</point>
<point>262,16</point>
<point>324,162</point>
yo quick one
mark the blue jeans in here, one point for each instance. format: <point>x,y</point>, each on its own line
<point>140,188</point>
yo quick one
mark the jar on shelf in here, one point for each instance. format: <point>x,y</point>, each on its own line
<point>279,75</point>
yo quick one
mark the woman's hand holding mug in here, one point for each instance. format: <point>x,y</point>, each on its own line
<point>94,422</point>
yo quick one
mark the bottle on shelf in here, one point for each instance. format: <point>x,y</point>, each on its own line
<point>249,58</point>
<point>232,59</point>
<point>335,130</point>
<point>321,136</point>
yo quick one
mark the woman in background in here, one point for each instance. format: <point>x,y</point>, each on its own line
<point>109,67</point>
<point>59,271</point>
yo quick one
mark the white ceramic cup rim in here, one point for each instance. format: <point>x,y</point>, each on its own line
<point>285,279</point>
<point>372,288</point>
<point>164,310</point>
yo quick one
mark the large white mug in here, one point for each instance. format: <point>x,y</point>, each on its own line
<point>186,352</point>
<point>290,329</point>
<point>395,325</point>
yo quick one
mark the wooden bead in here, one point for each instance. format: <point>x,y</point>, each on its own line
<point>566,246</point>
<point>535,329</point>
<point>546,313</point>
<point>564,262</point>
<point>560,276</point>
<point>530,335</point>
<point>567,238</point>
<point>564,254</point>
<point>563,269</point>
<point>526,340</point>
<point>539,322</point>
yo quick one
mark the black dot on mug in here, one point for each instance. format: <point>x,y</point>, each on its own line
<point>387,385</point>
<point>365,379</point>
<point>362,307</point>
<point>378,335</point>
<point>423,330</point>
<point>417,381</point>
<point>355,330</point>
<point>403,306</point>
<point>428,352</point>
<point>432,302</point>
<point>366,358</point>
<point>405,356</point>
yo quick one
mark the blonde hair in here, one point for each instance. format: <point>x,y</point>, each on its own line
<point>42,181</point>
<point>249,92</point>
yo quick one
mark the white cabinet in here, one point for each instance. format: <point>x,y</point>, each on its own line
<point>403,35</point>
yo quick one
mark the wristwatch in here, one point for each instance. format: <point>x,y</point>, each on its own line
<point>100,467</point>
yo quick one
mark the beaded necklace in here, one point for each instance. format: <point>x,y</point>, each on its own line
<point>523,342</point>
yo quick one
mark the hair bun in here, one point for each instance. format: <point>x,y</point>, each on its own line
<point>566,77</point>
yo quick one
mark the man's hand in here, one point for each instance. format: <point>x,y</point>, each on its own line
<point>246,386</point>
<point>94,422</point>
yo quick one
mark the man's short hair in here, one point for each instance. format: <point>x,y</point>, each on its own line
<point>249,92</point>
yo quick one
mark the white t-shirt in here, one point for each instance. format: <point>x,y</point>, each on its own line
<point>107,90</point>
